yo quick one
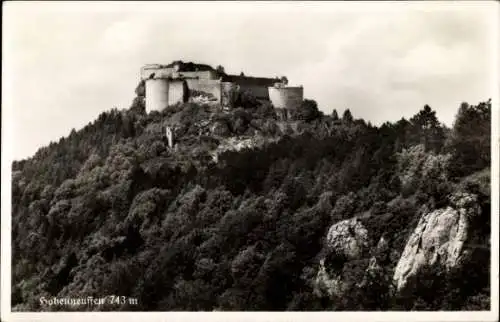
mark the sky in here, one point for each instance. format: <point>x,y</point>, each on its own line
<point>67,62</point>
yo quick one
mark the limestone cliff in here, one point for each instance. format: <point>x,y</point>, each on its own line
<point>348,238</point>
<point>439,238</point>
<point>352,261</point>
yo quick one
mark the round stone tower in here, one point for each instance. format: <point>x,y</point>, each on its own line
<point>156,94</point>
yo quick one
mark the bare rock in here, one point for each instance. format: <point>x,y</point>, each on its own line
<point>348,238</point>
<point>438,238</point>
<point>328,283</point>
<point>346,241</point>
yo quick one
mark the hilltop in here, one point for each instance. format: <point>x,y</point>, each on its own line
<point>251,210</point>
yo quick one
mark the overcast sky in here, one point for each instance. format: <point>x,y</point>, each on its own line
<point>68,62</point>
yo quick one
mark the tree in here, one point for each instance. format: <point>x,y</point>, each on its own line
<point>246,99</point>
<point>347,116</point>
<point>335,115</point>
<point>138,106</point>
<point>470,139</point>
<point>140,90</point>
<point>220,70</point>
<point>427,130</point>
<point>308,111</point>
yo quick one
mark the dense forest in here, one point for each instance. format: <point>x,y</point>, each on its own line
<point>111,209</point>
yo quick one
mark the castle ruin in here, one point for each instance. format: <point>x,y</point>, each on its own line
<point>180,82</point>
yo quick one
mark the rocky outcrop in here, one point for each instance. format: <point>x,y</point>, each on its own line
<point>240,143</point>
<point>346,241</point>
<point>348,238</point>
<point>329,283</point>
<point>439,238</point>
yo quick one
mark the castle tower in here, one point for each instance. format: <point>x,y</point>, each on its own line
<point>156,94</point>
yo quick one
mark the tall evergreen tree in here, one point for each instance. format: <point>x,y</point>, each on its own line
<point>427,130</point>
<point>335,115</point>
<point>470,140</point>
<point>347,116</point>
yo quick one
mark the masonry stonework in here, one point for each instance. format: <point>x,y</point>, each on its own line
<point>156,94</point>
<point>202,75</point>
<point>260,92</point>
<point>158,70</point>
<point>286,97</point>
<point>177,92</point>
<point>168,85</point>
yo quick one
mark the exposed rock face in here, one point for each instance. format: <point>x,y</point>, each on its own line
<point>348,238</point>
<point>438,238</point>
<point>328,283</point>
<point>240,143</point>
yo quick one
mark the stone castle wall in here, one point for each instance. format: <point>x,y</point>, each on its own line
<point>202,75</point>
<point>169,87</point>
<point>164,72</point>
<point>259,91</point>
<point>160,72</point>
<point>177,92</point>
<point>286,97</point>
<point>157,94</point>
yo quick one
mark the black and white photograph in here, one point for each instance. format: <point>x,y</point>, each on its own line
<point>215,157</point>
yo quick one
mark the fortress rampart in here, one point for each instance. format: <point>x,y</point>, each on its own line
<point>286,97</point>
<point>177,91</point>
<point>157,94</point>
<point>201,75</point>
<point>159,71</point>
<point>177,82</point>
